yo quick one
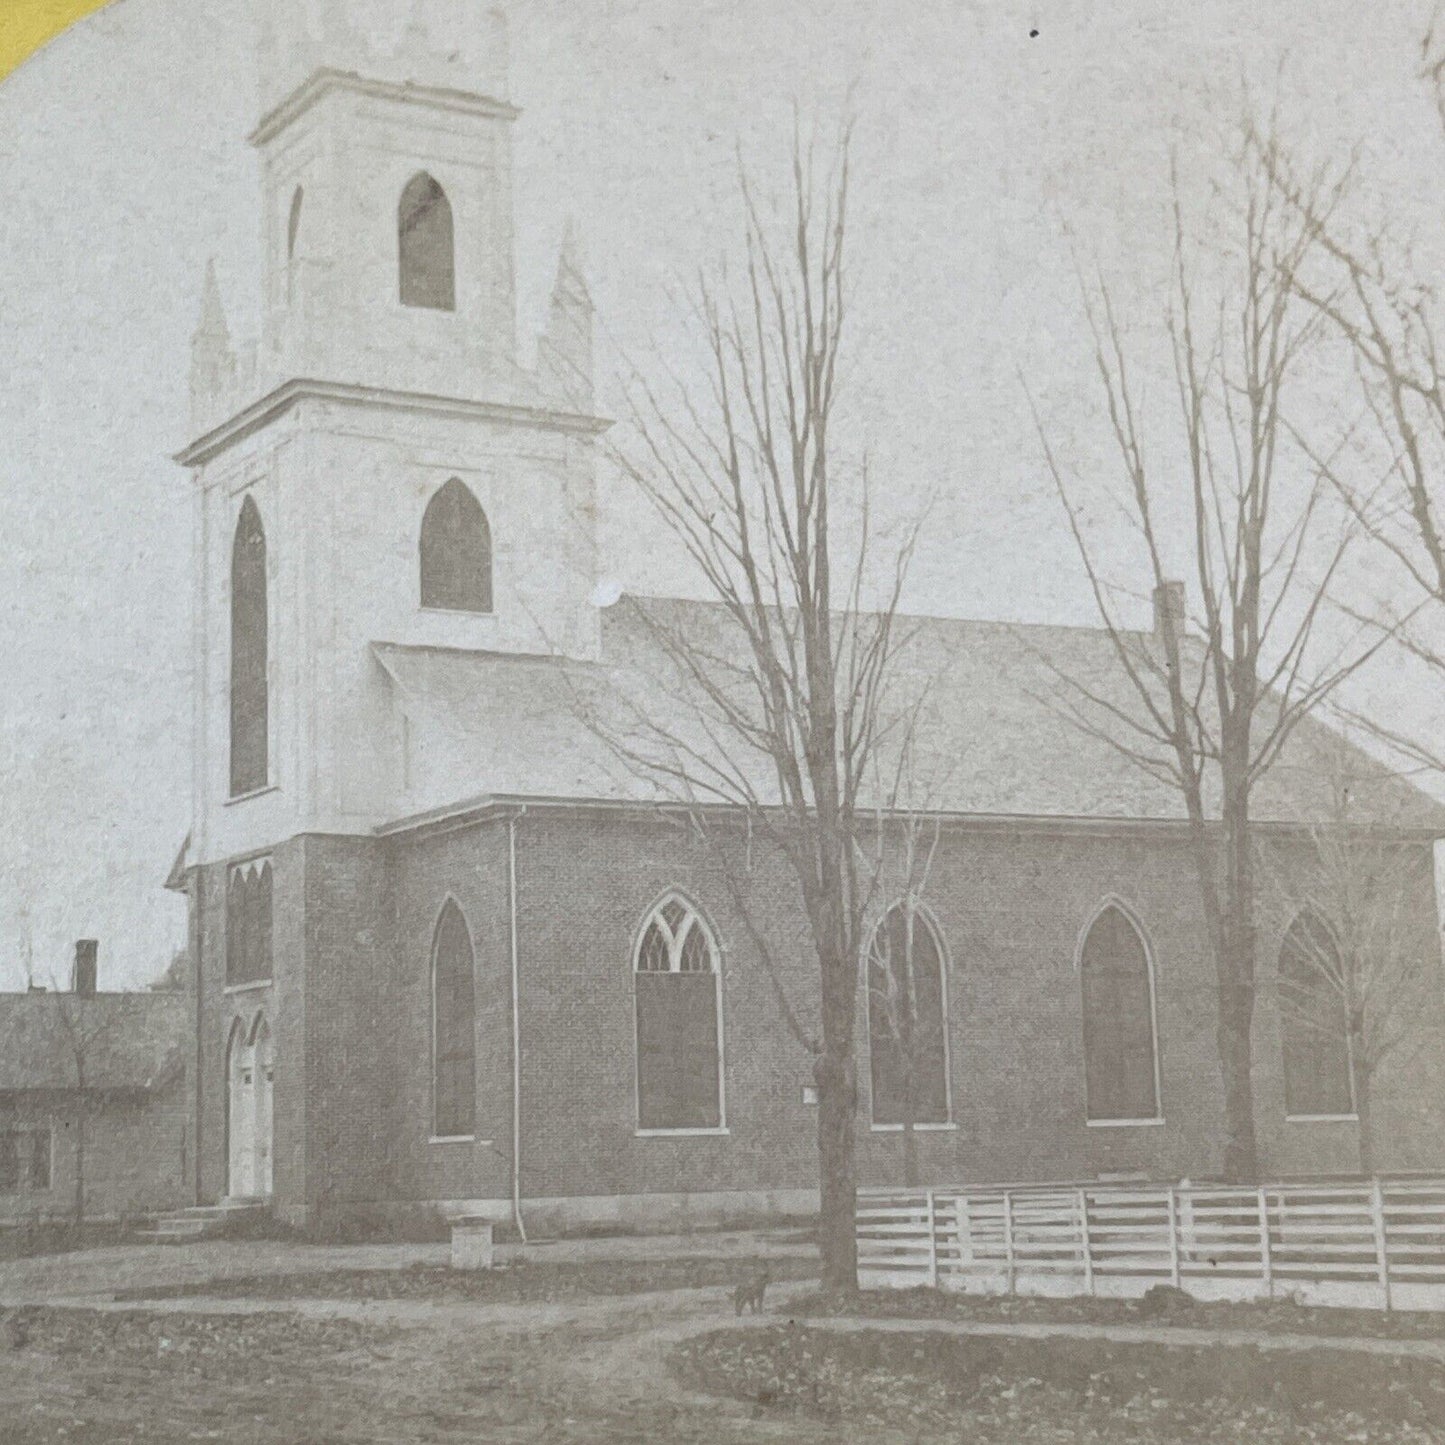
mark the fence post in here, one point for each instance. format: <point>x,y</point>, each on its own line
<point>932,1241</point>
<point>1266,1259</point>
<point>1008,1238</point>
<point>1382,1255</point>
<point>1173,1238</point>
<point>1085,1242</point>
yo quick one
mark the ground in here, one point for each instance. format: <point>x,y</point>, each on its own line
<point>600,1342</point>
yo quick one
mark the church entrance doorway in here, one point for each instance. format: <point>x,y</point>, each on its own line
<point>249,1072</point>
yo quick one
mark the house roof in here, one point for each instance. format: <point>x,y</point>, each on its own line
<point>132,1041</point>
<point>996,709</point>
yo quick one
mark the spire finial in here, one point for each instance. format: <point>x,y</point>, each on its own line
<point>213,312</point>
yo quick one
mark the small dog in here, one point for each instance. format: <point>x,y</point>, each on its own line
<point>749,1294</point>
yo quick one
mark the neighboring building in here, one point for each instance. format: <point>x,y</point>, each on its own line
<point>130,1120</point>
<point>446,948</point>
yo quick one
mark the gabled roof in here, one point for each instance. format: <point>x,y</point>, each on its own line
<point>133,1042</point>
<point>996,731</point>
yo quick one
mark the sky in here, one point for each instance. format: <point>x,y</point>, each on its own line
<point>1000,147</point>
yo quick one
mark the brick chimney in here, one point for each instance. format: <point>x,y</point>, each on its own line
<point>84,978</point>
<point>1169,611</point>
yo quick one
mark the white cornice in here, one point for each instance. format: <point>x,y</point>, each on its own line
<point>283,398</point>
<point>323,82</point>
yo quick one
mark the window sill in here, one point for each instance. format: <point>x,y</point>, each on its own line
<point>455,612</point>
<point>716,1132</point>
<point>1322,1118</point>
<point>248,987</point>
<point>917,1128</point>
<point>460,1139</point>
<point>1124,1123</point>
<point>238,798</point>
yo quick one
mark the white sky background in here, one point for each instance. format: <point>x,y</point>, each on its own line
<point>125,166</point>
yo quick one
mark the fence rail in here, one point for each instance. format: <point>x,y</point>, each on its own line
<point>1374,1245</point>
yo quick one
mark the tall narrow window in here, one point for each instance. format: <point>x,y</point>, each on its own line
<point>1120,1062</point>
<point>907,1021</point>
<point>456,552</point>
<point>427,246</point>
<point>249,703</point>
<point>248,924</point>
<point>1317,1073</point>
<point>454,1042</point>
<point>293,223</point>
<point>676,986</point>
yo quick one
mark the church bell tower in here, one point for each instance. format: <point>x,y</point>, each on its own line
<point>384,395</point>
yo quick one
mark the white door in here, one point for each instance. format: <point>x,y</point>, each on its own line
<point>262,1062</point>
<point>241,1092</point>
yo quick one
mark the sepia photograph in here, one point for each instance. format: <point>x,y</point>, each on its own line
<point>724,722</point>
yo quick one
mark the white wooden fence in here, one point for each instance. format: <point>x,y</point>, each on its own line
<point>1374,1244</point>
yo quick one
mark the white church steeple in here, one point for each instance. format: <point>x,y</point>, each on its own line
<point>387,173</point>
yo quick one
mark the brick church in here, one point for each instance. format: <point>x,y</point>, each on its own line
<point>448,953</point>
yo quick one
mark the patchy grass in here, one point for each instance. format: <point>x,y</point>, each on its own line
<point>931,1386</point>
<point>524,1282</point>
<point>1272,1317</point>
<point>84,1377</point>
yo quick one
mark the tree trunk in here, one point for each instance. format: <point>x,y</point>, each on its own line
<point>1360,1067</point>
<point>80,1160</point>
<point>837,1180</point>
<point>1235,971</point>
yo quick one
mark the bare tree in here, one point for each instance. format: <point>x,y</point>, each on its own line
<point>776,710</point>
<point>1358,963</point>
<point>1209,714</point>
<point>86,1027</point>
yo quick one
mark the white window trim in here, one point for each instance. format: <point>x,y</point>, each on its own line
<point>236,798</point>
<point>1322,1118</point>
<point>942,1127</point>
<point>719,1132</point>
<point>701,920</point>
<point>235,988</point>
<point>945,968</point>
<point>1113,900</point>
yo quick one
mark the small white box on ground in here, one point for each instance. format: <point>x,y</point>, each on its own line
<point>471,1243</point>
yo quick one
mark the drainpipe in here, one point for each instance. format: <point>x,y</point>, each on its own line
<point>516,1028</point>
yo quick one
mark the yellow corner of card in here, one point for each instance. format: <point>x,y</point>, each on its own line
<point>25,25</point>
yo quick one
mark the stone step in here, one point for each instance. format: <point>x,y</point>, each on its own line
<point>200,1221</point>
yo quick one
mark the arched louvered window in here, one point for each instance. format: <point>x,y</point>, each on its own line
<point>427,246</point>
<point>250,725</point>
<point>1121,1071</point>
<point>1317,1073</point>
<point>677,997</point>
<point>456,552</point>
<point>248,924</point>
<point>454,1018</point>
<point>907,1021</point>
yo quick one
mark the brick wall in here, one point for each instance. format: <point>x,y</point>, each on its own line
<point>137,1157</point>
<point>354,925</point>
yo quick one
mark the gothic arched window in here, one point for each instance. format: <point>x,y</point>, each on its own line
<point>456,552</point>
<point>1121,1075</point>
<point>427,248</point>
<point>454,1040</point>
<point>1317,1072</point>
<point>907,1021</point>
<point>248,924</point>
<point>677,994</point>
<point>250,723</point>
